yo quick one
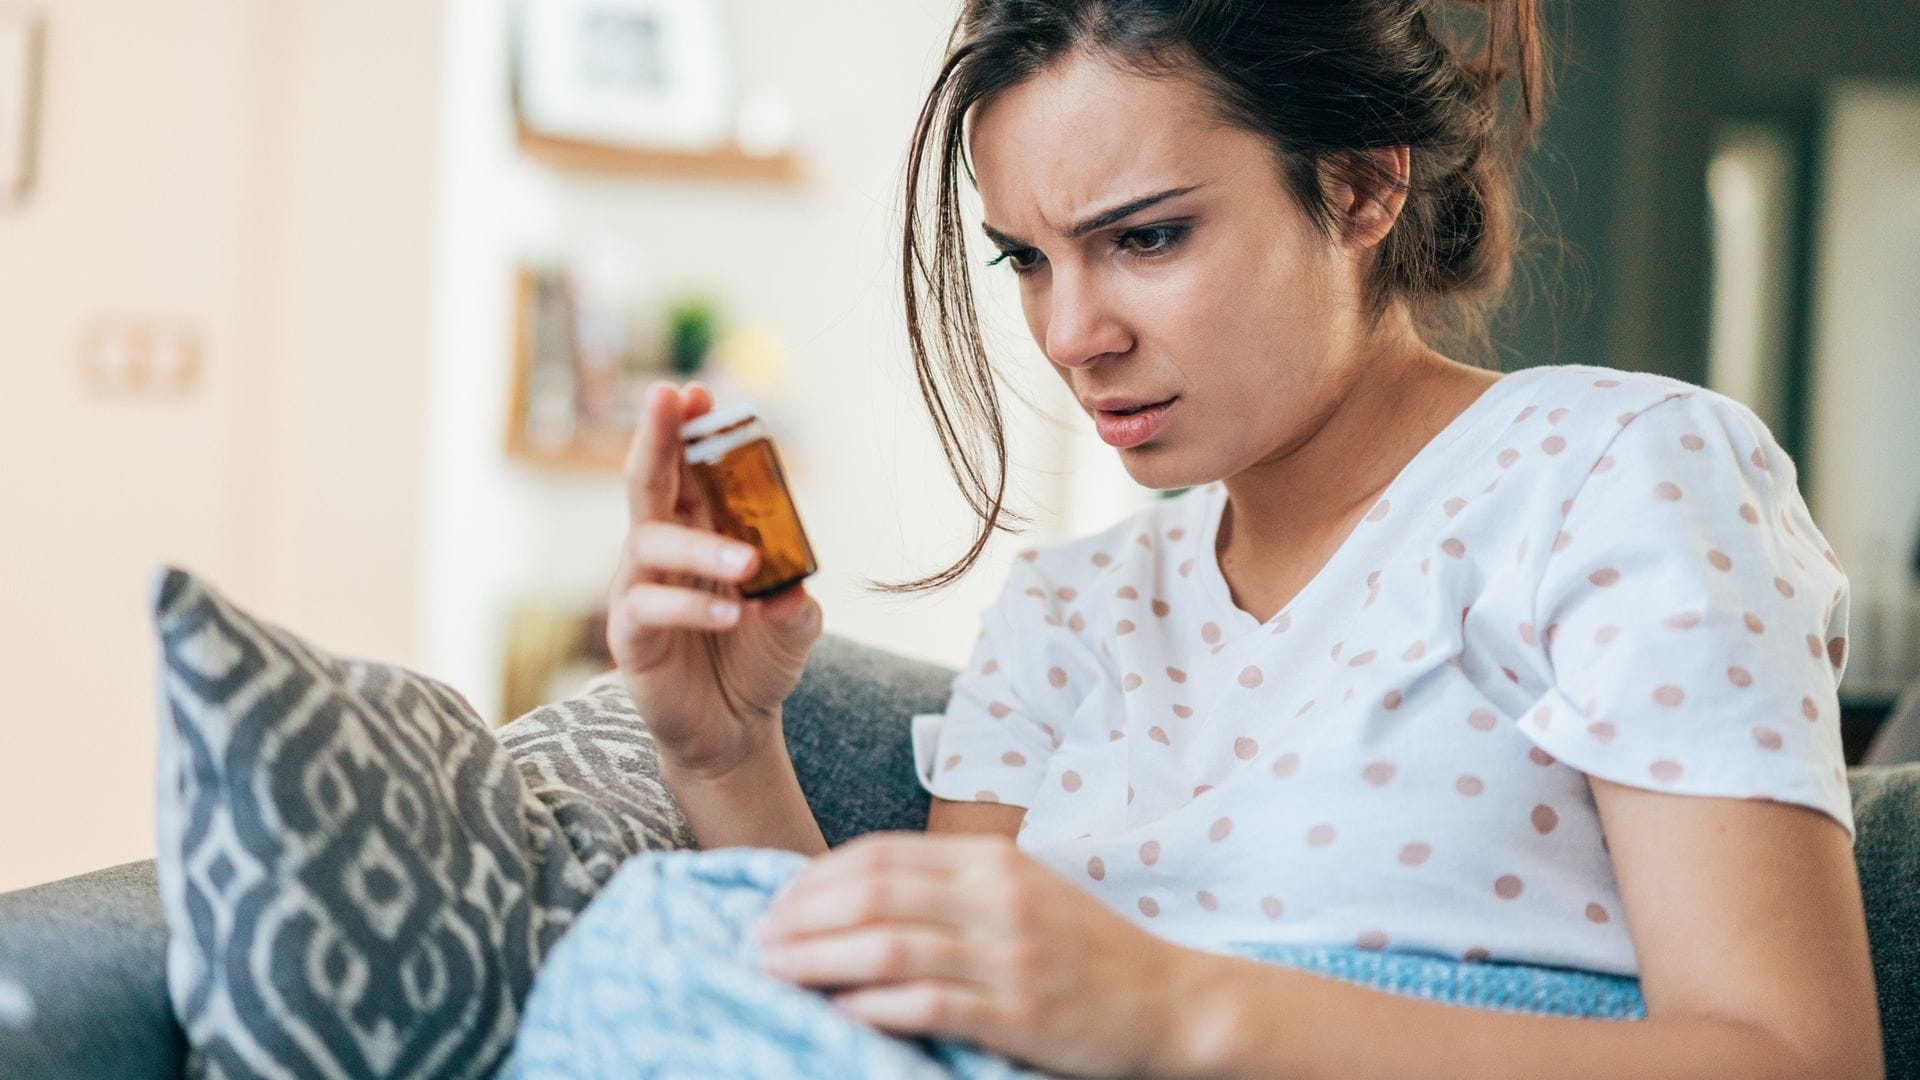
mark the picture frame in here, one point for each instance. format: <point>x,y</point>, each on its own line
<point>642,74</point>
<point>21,34</point>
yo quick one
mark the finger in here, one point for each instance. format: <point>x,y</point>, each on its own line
<point>654,458</point>
<point>651,606</point>
<point>866,900</point>
<point>929,1007</point>
<point>939,853</point>
<point>661,547</point>
<point>879,954</point>
<point>697,401</point>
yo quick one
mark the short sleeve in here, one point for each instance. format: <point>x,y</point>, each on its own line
<point>1695,617</point>
<point>993,742</point>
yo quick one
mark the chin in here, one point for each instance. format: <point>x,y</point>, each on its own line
<point>1162,468</point>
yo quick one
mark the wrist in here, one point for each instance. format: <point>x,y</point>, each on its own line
<point>1212,1012</point>
<point>761,743</point>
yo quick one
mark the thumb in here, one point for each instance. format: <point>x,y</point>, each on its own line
<point>794,613</point>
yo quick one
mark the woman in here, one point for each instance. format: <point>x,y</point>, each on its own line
<point>1429,662</point>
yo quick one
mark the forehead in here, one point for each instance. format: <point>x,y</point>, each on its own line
<point>1087,133</point>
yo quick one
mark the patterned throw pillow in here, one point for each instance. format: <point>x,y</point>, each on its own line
<point>360,877</point>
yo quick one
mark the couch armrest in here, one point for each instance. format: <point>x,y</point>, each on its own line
<point>83,979</point>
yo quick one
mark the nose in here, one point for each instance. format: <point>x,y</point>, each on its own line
<point>1082,324</point>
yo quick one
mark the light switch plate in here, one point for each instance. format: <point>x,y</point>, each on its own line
<point>20,45</point>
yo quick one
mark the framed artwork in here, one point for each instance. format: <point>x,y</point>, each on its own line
<point>577,376</point>
<point>634,73</point>
<point>20,34</point>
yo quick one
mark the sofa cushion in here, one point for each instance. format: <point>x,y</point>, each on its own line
<point>1886,815</point>
<point>359,877</point>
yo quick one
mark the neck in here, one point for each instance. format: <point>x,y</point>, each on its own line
<point>1393,405</point>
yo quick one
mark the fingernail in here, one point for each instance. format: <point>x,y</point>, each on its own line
<point>724,611</point>
<point>734,559</point>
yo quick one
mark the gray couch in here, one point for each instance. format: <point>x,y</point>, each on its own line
<point>91,948</point>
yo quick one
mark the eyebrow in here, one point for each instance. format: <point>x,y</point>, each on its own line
<point>1100,220</point>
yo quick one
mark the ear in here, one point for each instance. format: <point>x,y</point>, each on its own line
<point>1368,198</point>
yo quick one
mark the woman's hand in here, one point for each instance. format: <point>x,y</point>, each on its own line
<point>967,937</point>
<point>706,670</point>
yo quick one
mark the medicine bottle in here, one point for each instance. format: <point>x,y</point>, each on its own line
<point>733,460</point>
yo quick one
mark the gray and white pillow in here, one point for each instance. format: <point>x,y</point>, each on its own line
<point>360,877</point>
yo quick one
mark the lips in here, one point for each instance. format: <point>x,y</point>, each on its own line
<point>1128,422</point>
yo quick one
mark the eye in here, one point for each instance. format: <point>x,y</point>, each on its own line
<point>1020,260</point>
<point>1151,241</point>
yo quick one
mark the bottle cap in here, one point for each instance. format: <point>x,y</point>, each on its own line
<point>718,420</point>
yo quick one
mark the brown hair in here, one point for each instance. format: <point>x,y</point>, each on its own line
<point>1323,82</point>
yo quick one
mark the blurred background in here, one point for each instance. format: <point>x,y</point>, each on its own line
<point>342,304</point>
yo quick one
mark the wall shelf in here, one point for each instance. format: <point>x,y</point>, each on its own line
<point>726,163</point>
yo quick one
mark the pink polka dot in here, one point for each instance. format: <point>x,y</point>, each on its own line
<point>1032,590</point>
<point>1753,623</point>
<point>1182,711</point>
<point>1604,464</point>
<point>1414,652</point>
<point>1783,587</point>
<point>1029,555</point>
<point>1539,757</point>
<point>1051,619</point>
<point>1144,541</point>
<point>1556,416</point>
<point>985,796</point>
<point>1665,770</point>
<point>1508,457</point>
<point>1454,505</point>
<point>1512,675</point>
<point>1607,384</point>
<point>1129,794</point>
<point>1101,558</point>
<point>1176,675</point>
<point>1186,568</point>
<point>1281,624</point>
<point>1245,748</point>
<point>1149,907</point>
<point>1392,699</point>
<point>1378,773</point>
<point>1096,869</point>
<point>1482,720</point>
<point>1335,651</point>
<point>1159,734</point>
<point>1719,560</point>
<point>1693,442</point>
<point>1423,566</point>
<point>1748,514</point>
<point>1605,635</point>
<point>1454,547</point>
<point>1115,735</point>
<point>1065,593</point>
<point>1524,413</point>
<point>1601,730</point>
<point>998,709</point>
<point>1469,786</point>
<point>1161,608</point>
<point>1123,627</point>
<point>1131,682</point>
<point>1740,677</point>
<point>1527,635</point>
<point>989,667</point>
<point>1475,955</point>
<point>1150,852</point>
<point>1371,940</point>
<point>1206,900</point>
<point>1561,541</point>
<point>1836,651</point>
<point>1604,577</point>
<point>1685,620</point>
<point>1320,835</point>
<point>1625,418</point>
<point>1070,780</point>
<point>1544,819</point>
<point>1362,659</point>
<point>1271,907</point>
<point>1210,632</point>
<point>1758,458</point>
<point>1251,677</point>
<point>1553,444</point>
<point>1176,534</point>
<point>1598,914</point>
<point>1379,511</point>
<point>1768,738</point>
<point>1543,717</point>
<point>1014,758</point>
<point>1286,765</point>
<point>1128,592</point>
<point>952,760</point>
<point>1220,830</point>
<point>1670,695</point>
<point>1809,710</point>
<point>1057,676</point>
<point>1813,646</point>
<point>1415,854</point>
<point>1668,490</point>
<point>1507,886</point>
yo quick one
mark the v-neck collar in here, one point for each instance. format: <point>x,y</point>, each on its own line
<point>1213,582</point>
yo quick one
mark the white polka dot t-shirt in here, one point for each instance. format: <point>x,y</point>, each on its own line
<point>1587,573</point>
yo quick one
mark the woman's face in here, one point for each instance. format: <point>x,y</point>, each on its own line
<point>1214,302</point>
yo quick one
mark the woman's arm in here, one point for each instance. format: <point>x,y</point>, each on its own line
<point>988,819</point>
<point>1746,918</point>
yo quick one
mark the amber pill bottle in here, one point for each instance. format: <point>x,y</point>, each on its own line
<point>732,458</point>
